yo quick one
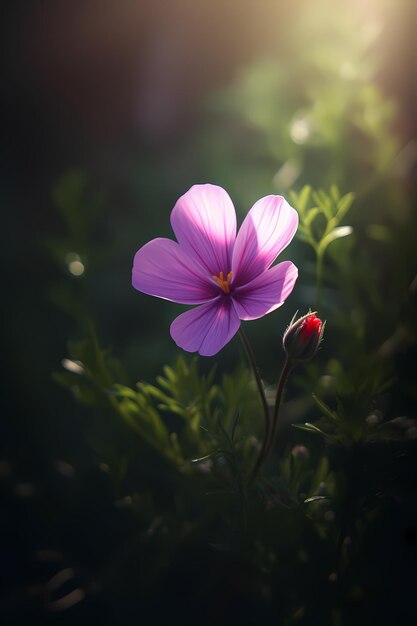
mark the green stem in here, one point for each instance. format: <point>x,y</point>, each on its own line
<point>288,366</point>
<point>251,358</point>
<point>319,279</point>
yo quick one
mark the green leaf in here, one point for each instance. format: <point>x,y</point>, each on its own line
<point>336,233</point>
<point>325,409</point>
<point>315,499</point>
<point>303,199</point>
<point>205,457</point>
<point>335,194</point>
<point>311,216</point>
<point>310,428</point>
<point>324,202</point>
<point>121,391</point>
<point>344,205</point>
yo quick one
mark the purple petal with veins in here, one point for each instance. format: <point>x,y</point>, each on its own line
<point>266,292</point>
<point>228,276</point>
<point>267,229</point>
<point>207,328</point>
<point>161,268</point>
<point>204,223</point>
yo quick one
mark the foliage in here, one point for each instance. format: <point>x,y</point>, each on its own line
<point>328,208</point>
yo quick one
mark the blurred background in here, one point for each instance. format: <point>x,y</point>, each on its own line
<point>110,112</point>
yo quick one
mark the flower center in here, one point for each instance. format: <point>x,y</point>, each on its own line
<point>224,284</point>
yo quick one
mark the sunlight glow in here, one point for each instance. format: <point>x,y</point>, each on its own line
<point>75,265</point>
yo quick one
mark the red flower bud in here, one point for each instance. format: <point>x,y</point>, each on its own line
<point>303,336</point>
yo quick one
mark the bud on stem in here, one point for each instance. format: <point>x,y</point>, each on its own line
<point>301,342</point>
<point>303,337</point>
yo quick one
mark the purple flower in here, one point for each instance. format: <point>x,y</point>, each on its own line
<point>229,276</point>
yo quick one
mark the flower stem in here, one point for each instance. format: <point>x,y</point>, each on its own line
<point>288,366</point>
<point>251,358</point>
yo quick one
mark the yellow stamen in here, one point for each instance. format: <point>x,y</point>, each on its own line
<point>224,284</point>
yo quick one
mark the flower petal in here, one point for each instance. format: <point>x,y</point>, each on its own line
<point>266,292</point>
<point>266,230</point>
<point>162,269</point>
<point>207,328</point>
<point>204,223</point>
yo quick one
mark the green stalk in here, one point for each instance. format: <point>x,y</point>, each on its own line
<point>288,366</point>
<point>319,278</point>
<point>251,358</point>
